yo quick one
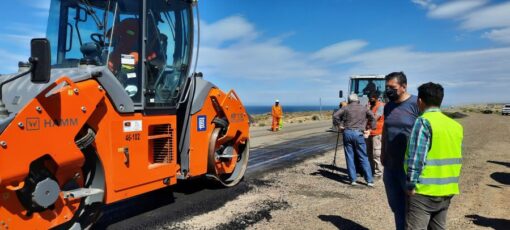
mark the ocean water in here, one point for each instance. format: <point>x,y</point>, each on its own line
<point>252,110</point>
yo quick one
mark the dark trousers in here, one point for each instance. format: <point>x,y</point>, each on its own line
<point>427,212</point>
<point>394,184</point>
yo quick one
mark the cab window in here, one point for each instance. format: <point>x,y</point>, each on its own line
<point>168,50</point>
<point>124,39</point>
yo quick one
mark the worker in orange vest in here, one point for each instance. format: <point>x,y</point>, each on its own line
<point>277,114</point>
<point>374,138</point>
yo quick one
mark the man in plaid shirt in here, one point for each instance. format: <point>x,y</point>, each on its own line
<point>433,162</point>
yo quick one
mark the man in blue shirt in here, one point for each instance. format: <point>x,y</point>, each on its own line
<point>400,114</point>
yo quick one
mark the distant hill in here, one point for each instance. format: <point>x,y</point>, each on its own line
<point>477,108</point>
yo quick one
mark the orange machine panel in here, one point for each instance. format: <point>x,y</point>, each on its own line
<point>46,126</point>
<point>201,128</point>
<point>144,150</point>
<point>138,152</point>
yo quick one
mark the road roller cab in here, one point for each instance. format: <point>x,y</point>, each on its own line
<point>109,107</point>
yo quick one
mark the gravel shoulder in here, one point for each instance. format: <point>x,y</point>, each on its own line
<point>315,195</point>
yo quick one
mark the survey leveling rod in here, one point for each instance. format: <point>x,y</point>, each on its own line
<point>336,149</point>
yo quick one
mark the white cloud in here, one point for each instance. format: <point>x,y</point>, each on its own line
<point>18,35</point>
<point>261,69</point>
<point>227,29</point>
<point>15,41</point>
<point>339,50</point>
<point>20,40</point>
<point>427,4</point>
<point>257,61</point>
<point>473,75</point>
<point>230,49</point>
<point>489,17</point>
<point>10,61</point>
<point>234,54</point>
<point>455,8</point>
<point>499,35</point>
<point>475,15</point>
<point>472,14</point>
<point>462,67</point>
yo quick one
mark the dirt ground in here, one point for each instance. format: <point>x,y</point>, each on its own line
<point>315,195</point>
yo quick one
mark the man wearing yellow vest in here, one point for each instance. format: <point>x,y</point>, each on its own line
<point>432,162</point>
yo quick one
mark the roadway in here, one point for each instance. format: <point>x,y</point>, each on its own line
<point>268,152</point>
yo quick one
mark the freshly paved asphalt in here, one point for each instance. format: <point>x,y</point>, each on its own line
<point>168,206</point>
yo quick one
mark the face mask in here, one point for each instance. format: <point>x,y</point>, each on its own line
<point>392,94</point>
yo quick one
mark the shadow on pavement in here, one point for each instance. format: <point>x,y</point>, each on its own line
<point>333,168</point>
<point>507,164</point>
<point>489,222</point>
<point>145,207</point>
<point>332,172</point>
<point>494,186</point>
<point>340,222</point>
<point>119,211</point>
<point>501,177</point>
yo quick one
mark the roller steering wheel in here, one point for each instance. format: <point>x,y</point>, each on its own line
<point>98,38</point>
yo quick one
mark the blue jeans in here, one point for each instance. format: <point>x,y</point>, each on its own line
<point>354,146</point>
<point>394,183</point>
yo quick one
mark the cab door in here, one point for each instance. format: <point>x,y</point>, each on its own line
<point>168,53</point>
<point>146,153</point>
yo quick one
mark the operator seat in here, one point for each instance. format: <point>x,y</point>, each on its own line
<point>124,41</point>
<point>124,57</point>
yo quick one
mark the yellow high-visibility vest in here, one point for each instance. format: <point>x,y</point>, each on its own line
<point>441,169</point>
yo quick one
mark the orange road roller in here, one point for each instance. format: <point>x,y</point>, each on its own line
<point>110,106</point>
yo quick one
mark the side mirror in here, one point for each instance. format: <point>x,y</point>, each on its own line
<point>341,94</point>
<point>40,60</point>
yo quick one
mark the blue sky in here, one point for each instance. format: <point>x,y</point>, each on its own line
<point>299,51</point>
